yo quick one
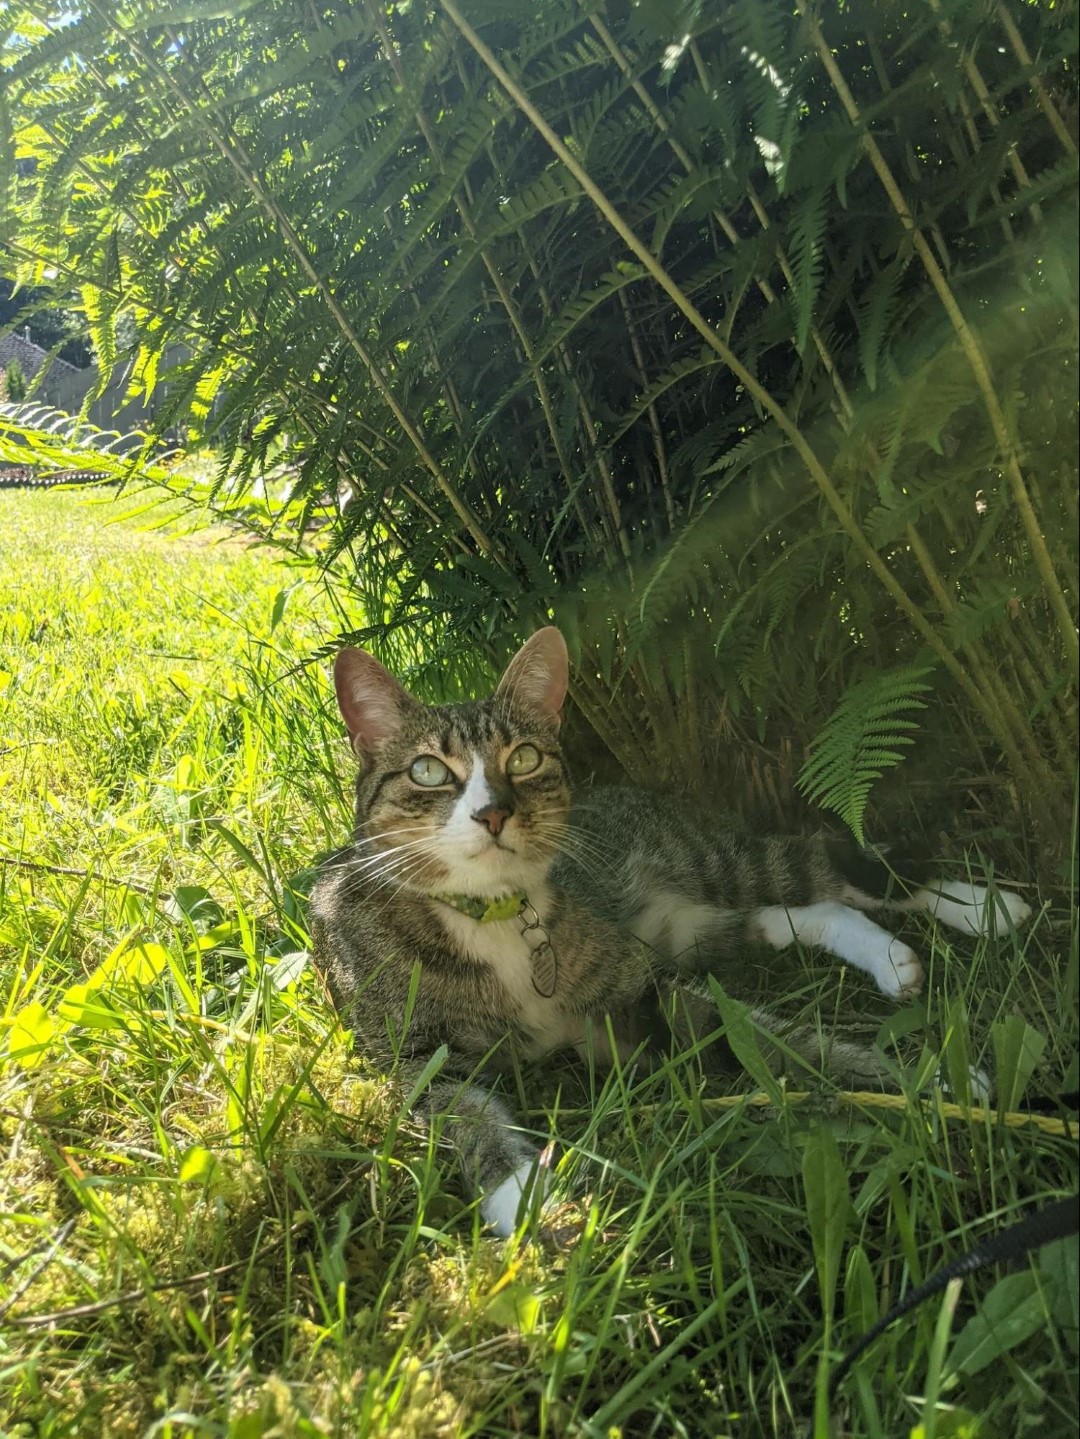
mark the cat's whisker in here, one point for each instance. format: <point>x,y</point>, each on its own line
<point>567,817</point>
<point>405,878</point>
<point>422,838</point>
<point>566,841</point>
<point>608,851</point>
<point>391,858</point>
<point>578,846</point>
<point>584,862</point>
<point>377,863</point>
<point>369,839</point>
<point>378,868</point>
<point>586,843</point>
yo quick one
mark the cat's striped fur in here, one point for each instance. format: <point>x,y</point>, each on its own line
<point>639,896</point>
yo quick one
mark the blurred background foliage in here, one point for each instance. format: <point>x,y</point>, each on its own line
<point>738,337</point>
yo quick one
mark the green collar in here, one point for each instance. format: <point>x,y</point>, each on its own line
<point>505,906</point>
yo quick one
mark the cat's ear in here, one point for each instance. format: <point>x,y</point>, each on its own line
<point>372,703</point>
<point>537,677</point>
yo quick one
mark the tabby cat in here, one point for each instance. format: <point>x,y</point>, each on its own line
<point>475,908</point>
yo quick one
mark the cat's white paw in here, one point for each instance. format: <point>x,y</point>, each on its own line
<point>900,974</point>
<point>972,909</point>
<point>980,1085</point>
<point>500,1207</point>
<point>1018,910</point>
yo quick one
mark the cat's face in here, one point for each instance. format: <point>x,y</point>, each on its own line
<point>466,799</point>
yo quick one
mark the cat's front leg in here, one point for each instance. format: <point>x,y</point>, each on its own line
<point>501,1206</point>
<point>499,1163</point>
<point>848,934</point>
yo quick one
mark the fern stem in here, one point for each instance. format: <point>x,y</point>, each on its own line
<point>235,155</point>
<point>1029,642</point>
<point>613,511</point>
<point>449,389</point>
<point>540,384</point>
<point>1022,750</point>
<point>1039,667</point>
<point>598,702</point>
<point>692,708</point>
<point>989,109</point>
<point>358,486</point>
<point>651,411</point>
<point>968,341</point>
<point>505,299</point>
<point>770,295</point>
<point>910,162</point>
<point>723,220</point>
<point>764,398</point>
<point>1035,682</point>
<point>656,115</point>
<point>1020,50</point>
<point>543,393</point>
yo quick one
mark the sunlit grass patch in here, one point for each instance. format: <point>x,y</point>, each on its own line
<point>214,1220</point>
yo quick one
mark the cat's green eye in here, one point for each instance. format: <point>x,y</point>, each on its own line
<point>429,772</point>
<point>524,760</point>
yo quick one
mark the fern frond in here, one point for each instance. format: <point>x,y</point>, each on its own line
<point>805,234</point>
<point>991,603</point>
<point>865,736</point>
<point>876,316</point>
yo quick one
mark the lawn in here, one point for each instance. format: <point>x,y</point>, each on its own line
<point>215,1221</point>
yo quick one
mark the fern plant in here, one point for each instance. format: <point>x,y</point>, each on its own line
<point>740,338</point>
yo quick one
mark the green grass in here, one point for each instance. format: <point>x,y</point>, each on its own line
<point>236,1228</point>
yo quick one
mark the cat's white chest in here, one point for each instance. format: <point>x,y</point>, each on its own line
<point>501,946</point>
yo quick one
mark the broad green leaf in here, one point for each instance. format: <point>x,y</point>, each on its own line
<point>740,1034</point>
<point>860,1292</point>
<point>955,1423</point>
<point>248,1426</point>
<point>195,904</point>
<point>83,1004</point>
<point>957,1050</point>
<point>333,1266</point>
<point>277,611</point>
<point>1013,1311</point>
<point>514,1307</point>
<point>142,963</point>
<point>1018,1047</point>
<point>825,1183</point>
<point>288,968</point>
<point>197,1163</point>
<point>30,1033</point>
<point>1059,1265</point>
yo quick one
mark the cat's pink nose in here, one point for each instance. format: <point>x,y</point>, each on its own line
<point>493,817</point>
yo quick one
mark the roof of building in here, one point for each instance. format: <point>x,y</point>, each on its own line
<point>31,357</point>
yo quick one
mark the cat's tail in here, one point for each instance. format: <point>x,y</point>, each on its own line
<point>809,1052</point>
<point>806,1053</point>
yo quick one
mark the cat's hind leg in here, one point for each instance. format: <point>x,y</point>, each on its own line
<point>873,882</point>
<point>848,934</point>
<point>970,908</point>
